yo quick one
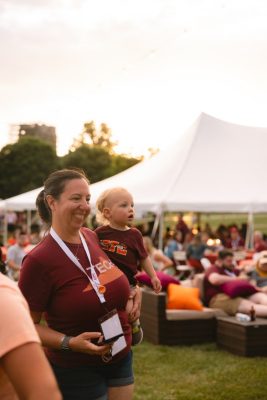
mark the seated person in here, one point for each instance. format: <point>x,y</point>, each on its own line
<point>159,260</point>
<point>235,242</point>
<point>173,244</point>
<point>195,251</point>
<point>259,243</point>
<point>224,271</point>
<point>258,275</point>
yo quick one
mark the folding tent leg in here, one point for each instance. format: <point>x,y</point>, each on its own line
<point>249,242</point>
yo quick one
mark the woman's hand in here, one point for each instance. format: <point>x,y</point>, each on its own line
<point>87,343</point>
<point>135,312</point>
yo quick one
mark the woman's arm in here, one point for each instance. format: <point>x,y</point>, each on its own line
<point>81,343</point>
<point>29,371</point>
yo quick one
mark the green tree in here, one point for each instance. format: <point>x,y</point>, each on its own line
<point>94,160</point>
<point>24,165</point>
<point>93,151</point>
<point>97,162</point>
<point>120,162</point>
<point>101,137</point>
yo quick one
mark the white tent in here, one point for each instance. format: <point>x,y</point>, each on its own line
<point>215,167</point>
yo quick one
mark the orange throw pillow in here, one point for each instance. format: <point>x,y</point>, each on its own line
<point>183,298</point>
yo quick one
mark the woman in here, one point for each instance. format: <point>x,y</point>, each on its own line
<point>70,281</point>
<point>24,370</point>
<point>159,260</point>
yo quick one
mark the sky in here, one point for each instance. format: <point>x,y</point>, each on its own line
<point>147,68</point>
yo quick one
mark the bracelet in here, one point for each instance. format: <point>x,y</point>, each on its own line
<point>64,345</point>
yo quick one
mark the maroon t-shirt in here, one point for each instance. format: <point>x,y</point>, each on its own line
<point>53,284</point>
<point>124,248</point>
<point>211,290</point>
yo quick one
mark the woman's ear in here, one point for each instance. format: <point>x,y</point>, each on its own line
<point>50,201</point>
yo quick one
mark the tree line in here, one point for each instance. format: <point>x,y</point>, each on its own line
<point>25,164</point>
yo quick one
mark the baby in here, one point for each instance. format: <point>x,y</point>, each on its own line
<point>123,244</point>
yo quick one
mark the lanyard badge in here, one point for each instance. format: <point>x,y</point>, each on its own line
<point>98,288</point>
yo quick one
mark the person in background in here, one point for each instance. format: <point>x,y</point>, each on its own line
<point>195,251</point>
<point>258,274</point>
<point>124,244</point>
<point>235,242</point>
<point>24,370</point>
<point>259,243</point>
<point>222,272</point>
<point>2,263</point>
<point>173,244</point>
<point>182,226</point>
<point>15,255</point>
<point>69,281</point>
<point>159,260</point>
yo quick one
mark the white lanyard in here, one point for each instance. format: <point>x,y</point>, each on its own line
<point>94,280</point>
<point>229,273</point>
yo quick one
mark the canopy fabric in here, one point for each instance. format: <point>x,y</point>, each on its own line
<point>21,202</point>
<point>216,166</point>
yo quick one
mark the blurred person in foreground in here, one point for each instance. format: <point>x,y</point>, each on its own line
<point>24,370</point>
<point>69,280</point>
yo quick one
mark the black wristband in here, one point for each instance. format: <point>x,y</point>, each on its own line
<point>64,345</point>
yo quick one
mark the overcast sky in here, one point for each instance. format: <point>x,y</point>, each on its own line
<point>147,68</point>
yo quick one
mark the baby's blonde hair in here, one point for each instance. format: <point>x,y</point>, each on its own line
<point>103,201</point>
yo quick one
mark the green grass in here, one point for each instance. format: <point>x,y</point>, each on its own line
<point>197,373</point>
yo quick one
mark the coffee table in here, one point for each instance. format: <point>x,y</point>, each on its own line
<point>242,338</point>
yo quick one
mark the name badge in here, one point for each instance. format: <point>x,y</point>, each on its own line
<point>111,326</point>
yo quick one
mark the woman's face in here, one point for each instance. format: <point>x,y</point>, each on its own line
<point>72,208</point>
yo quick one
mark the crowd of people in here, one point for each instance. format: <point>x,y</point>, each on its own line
<point>88,341</point>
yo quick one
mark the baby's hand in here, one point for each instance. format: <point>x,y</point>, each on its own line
<point>156,284</point>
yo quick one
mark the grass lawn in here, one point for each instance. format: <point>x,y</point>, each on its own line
<point>197,373</point>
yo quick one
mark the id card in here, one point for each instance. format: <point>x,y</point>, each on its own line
<point>111,326</point>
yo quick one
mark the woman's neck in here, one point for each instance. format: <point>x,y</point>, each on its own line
<point>69,236</point>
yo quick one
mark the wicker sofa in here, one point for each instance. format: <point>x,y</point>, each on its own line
<point>176,327</point>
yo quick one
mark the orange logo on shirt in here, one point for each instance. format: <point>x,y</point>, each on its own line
<point>107,272</point>
<point>113,246</point>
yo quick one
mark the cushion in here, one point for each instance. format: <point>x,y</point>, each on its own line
<point>164,278</point>
<point>237,288</point>
<point>183,298</point>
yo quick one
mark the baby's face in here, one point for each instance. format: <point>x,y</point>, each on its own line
<point>121,208</point>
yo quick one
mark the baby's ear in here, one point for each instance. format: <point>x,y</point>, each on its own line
<point>106,212</point>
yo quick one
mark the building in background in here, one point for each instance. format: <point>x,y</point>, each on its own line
<point>43,132</point>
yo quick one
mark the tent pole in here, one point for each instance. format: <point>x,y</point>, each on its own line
<point>29,217</point>
<point>155,227</point>
<point>249,243</point>
<point>156,223</point>
<point>161,229</point>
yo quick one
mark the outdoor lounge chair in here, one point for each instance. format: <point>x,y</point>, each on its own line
<point>176,327</point>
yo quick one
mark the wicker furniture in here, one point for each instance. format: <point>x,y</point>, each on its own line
<point>242,338</point>
<point>175,327</point>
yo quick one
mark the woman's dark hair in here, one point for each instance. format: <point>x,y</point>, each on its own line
<point>54,185</point>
